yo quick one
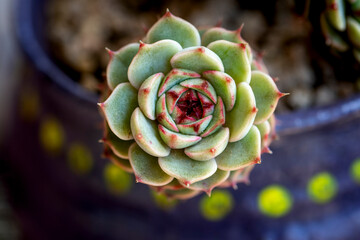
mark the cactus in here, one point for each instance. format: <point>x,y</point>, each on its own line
<point>340,24</point>
<point>188,113</point>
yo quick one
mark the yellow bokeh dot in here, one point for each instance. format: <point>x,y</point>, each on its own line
<point>29,105</point>
<point>355,170</point>
<point>274,201</point>
<point>51,135</point>
<point>217,206</point>
<point>163,201</point>
<point>322,187</point>
<point>79,158</point>
<point>117,180</point>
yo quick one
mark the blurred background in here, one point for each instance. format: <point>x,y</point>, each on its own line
<point>55,185</point>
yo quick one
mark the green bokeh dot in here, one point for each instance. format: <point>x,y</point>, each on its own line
<point>322,187</point>
<point>163,201</point>
<point>79,158</point>
<point>117,180</point>
<point>274,201</point>
<point>217,206</point>
<point>51,135</point>
<point>355,170</point>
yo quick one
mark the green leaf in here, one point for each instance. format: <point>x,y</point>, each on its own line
<point>151,59</point>
<point>174,77</point>
<point>147,135</point>
<point>174,28</point>
<point>163,116</point>
<point>335,13</point>
<point>120,60</point>
<point>209,147</point>
<point>147,95</point>
<point>196,127</point>
<point>146,168</point>
<point>202,86</point>
<point>218,119</point>
<point>198,59</point>
<point>234,58</point>
<point>353,30</point>
<point>186,170</point>
<point>118,146</point>
<point>118,109</point>
<point>240,119</point>
<point>242,153</point>
<point>177,140</point>
<point>208,184</point>
<point>266,95</point>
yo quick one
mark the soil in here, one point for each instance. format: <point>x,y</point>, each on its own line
<point>293,48</point>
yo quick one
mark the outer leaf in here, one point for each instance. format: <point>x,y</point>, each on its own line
<point>198,59</point>
<point>120,60</point>
<point>186,170</point>
<point>266,94</point>
<point>118,109</point>
<point>147,135</point>
<point>242,153</point>
<point>147,95</point>
<point>234,58</point>
<point>353,30</point>
<point>174,28</point>
<point>335,13</point>
<point>332,37</point>
<point>118,146</point>
<point>177,140</point>
<point>146,168</point>
<point>240,119</point>
<point>209,147</point>
<point>124,164</point>
<point>182,194</point>
<point>264,129</point>
<point>208,184</point>
<point>151,59</point>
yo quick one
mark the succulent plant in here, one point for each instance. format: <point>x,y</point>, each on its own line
<point>187,113</point>
<point>340,24</point>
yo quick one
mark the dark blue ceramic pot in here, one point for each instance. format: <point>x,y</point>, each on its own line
<point>307,189</point>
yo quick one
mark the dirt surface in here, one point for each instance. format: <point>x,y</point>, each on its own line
<point>292,46</point>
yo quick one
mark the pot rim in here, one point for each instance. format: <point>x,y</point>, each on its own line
<point>288,123</point>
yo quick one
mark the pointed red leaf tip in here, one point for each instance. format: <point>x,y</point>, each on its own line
<point>257,160</point>
<point>168,13</point>
<point>275,79</point>
<point>138,179</point>
<point>111,53</point>
<point>266,149</point>
<point>280,94</point>
<point>212,150</point>
<point>101,105</point>
<point>242,45</point>
<point>238,31</point>
<point>333,6</point>
<point>208,192</point>
<point>139,136</point>
<point>254,110</point>
<point>142,44</point>
<point>102,140</point>
<point>187,183</point>
<point>234,185</point>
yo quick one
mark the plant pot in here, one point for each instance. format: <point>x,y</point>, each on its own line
<point>59,195</point>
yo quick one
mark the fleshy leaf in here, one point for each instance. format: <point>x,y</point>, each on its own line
<point>116,71</point>
<point>147,95</point>
<point>225,86</point>
<point>146,167</point>
<point>151,59</point>
<point>353,30</point>
<point>163,116</point>
<point>206,104</point>
<point>186,170</point>
<point>196,127</point>
<point>174,28</point>
<point>209,183</point>
<point>181,117</point>
<point>241,153</point>
<point>266,95</point>
<point>198,59</point>
<point>124,164</point>
<point>147,135</point>
<point>202,86</point>
<point>332,37</point>
<point>234,58</point>
<point>118,146</point>
<point>218,119</point>
<point>173,95</point>
<point>118,109</point>
<point>240,119</point>
<point>218,33</point>
<point>264,129</point>
<point>209,147</point>
<point>335,13</point>
<point>177,140</point>
<point>174,77</point>
<point>182,194</point>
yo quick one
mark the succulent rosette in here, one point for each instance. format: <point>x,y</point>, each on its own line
<point>187,113</point>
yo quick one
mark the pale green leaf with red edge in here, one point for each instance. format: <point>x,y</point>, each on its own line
<point>177,140</point>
